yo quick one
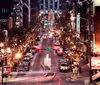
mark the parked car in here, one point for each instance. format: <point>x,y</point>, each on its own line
<point>21,68</point>
<point>36,46</point>
<point>33,50</point>
<point>59,51</point>
<point>26,63</point>
<point>27,58</point>
<point>64,67</point>
<point>29,54</point>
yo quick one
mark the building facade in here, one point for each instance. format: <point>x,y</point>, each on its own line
<point>47,5</point>
<point>97,25</point>
<point>6,10</point>
<point>18,14</point>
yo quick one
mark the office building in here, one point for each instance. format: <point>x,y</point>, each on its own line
<point>47,5</point>
<point>6,8</point>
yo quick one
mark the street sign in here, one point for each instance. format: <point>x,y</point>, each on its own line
<point>49,49</point>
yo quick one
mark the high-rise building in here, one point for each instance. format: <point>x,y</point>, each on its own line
<point>18,12</point>
<point>6,8</point>
<point>34,10</point>
<point>47,5</point>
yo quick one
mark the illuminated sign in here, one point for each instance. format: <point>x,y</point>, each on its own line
<point>95,61</point>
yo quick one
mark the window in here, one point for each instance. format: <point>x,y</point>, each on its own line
<point>60,7</point>
<point>46,2</point>
<point>50,6</point>
<point>46,7</point>
<point>51,1</point>
<point>41,1</point>
<point>55,5</point>
<point>41,6</point>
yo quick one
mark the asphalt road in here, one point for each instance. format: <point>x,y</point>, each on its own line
<point>36,69</point>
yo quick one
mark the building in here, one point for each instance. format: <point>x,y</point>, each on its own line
<point>47,5</point>
<point>21,13</point>
<point>34,10</point>
<point>6,10</point>
<point>18,14</point>
<point>97,25</point>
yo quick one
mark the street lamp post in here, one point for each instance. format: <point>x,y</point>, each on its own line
<point>1,45</point>
<point>3,52</point>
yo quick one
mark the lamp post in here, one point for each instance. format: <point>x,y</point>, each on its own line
<point>3,53</point>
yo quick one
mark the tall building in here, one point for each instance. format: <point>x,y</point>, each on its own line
<point>18,12</point>
<point>47,5</point>
<point>21,13</point>
<point>6,8</point>
<point>34,10</point>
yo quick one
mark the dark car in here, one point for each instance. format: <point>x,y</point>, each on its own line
<point>64,67</point>
<point>33,50</point>
<point>21,69</point>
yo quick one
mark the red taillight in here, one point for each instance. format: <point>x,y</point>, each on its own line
<point>55,48</point>
<point>38,48</point>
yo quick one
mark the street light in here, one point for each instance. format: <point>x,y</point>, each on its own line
<point>3,53</point>
<point>1,44</point>
<point>18,55</point>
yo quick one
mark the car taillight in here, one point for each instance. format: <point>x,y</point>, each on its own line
<point>55,48</point>
<point>38,48</point>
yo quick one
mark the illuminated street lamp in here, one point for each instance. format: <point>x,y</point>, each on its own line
<point>3,52</point>
<point>1,44</point>
<point>18,55</point>
<point>8,50</point>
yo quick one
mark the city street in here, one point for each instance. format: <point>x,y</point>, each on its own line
<point>49,42</point>
<point>38,69</point>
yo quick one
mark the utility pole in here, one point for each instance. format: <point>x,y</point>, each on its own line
<point>90,17</point>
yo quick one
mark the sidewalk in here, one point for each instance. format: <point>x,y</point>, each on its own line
<point>81,79</point>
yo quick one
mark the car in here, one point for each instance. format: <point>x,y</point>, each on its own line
<point>33,50</point>
<point>27,68</point>
<point>64,64</point>
<point>26,62</point>
<point>36,46</point>
<point>59,51</point>
<point>21,69</point>
<point>64,67</point>
<point>29,55</point>
<point>27,58</point>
